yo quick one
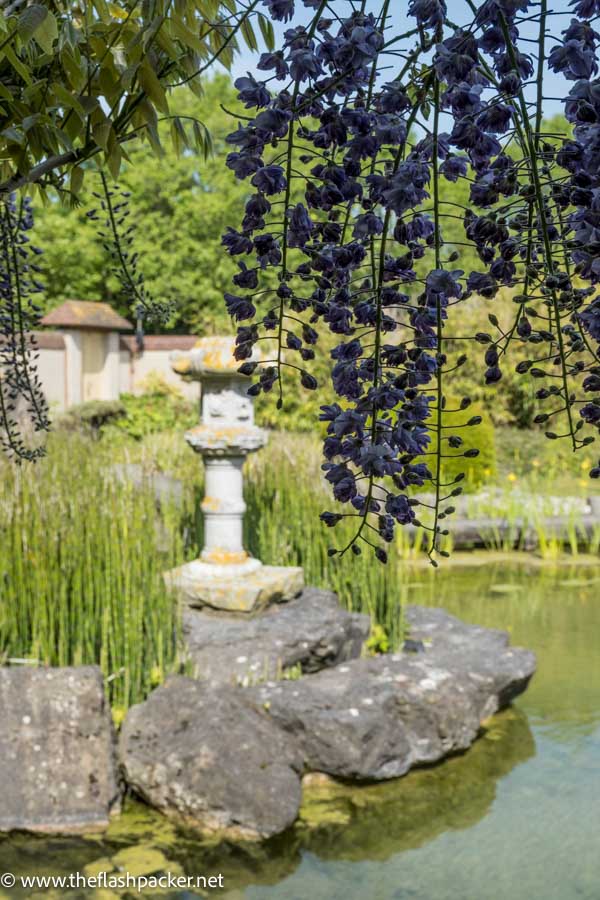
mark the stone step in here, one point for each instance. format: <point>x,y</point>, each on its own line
<point>57,751</point>
<point>311,632</point>
<point>375,718</point>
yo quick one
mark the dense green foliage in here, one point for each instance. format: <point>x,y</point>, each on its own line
<point>181,204</point>
<point>153,412</point>
<point>79,81</point>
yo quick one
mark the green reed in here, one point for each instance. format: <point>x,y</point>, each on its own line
<point>82,553</point>
<point>285,493</point>
<point>83,549</point>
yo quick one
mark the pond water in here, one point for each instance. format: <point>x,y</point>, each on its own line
<point>517,817</point>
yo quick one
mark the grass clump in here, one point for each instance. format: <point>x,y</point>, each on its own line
<point>81,572</point>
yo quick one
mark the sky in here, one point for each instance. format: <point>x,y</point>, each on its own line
<point>555,85</point>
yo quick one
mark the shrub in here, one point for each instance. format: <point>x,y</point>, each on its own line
<point>479,469</point>
<point>149,413</point>
<point>91,416</point>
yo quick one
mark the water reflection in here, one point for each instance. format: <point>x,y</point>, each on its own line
<point>554,611</point>
<point>379,821</point>
<point>337,823</point>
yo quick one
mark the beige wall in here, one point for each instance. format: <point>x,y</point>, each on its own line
<point>51,369</point>
<point>156,362</point>
<point>76,365</point>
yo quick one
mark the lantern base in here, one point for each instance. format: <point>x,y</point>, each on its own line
<point>229,590</point>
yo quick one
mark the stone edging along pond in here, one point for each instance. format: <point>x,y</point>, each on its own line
<point>475,533</point>
<point>229,760</point>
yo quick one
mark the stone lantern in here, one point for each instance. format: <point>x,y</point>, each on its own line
<point>225,576</point>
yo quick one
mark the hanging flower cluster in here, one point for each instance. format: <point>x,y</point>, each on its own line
<point>347,171</point>
<point>19,315</point>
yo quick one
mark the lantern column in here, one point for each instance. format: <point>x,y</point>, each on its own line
<point>225,576</point>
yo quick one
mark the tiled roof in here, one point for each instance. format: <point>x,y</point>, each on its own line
<point>86,314</point>
<point>45,340</point>
<point>160,342</point>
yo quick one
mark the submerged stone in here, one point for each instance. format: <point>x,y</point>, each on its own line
<point>378,820</point>
<point>209,759</point>
<point>374,719</point>
<point>312,632</point>
<point>57,753</point>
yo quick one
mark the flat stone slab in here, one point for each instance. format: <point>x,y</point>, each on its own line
<point>239,594</point>
<point>375,718</point>
<point>57,751</point>
<point>312,631</point>
<point>206,757</point>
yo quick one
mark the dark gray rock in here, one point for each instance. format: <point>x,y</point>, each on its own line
<point>205,756</point>
<point>57,751</point>
<point>311,631</point>
<point>376,718</point>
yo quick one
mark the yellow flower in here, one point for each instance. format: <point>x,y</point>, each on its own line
<point>512,477</point>
<point>585,464</point>
<point>535,463</point>
<point>156,676</point>
<point>582,483</point>
<point>118,714</point>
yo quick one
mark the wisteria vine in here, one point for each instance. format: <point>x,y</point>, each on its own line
<point>19,315</point>
<point>347,163</point>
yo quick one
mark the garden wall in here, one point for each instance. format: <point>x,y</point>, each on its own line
<point>124,368</point>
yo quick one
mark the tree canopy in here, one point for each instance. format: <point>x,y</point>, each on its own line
<point>181,204</point>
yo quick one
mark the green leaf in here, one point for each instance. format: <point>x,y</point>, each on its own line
<point>88,103</point>
<point>266,29</point>
<point>183,34</point>
<point>76,181</point>
<point>67,98</point>
<point>153,88</point>
<point>101,8</point>
<point>249,35</point>
<point>30,20</point>
<point>203,139</point>
<point>101,133</point>
<point>46,33</point>
<point>30,122</point>
<point>17,65</point>
<point>15,137</point>
<point>178,136</point>
<point>113,160</point>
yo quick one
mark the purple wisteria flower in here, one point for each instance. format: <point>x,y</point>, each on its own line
<point>349,162</point>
